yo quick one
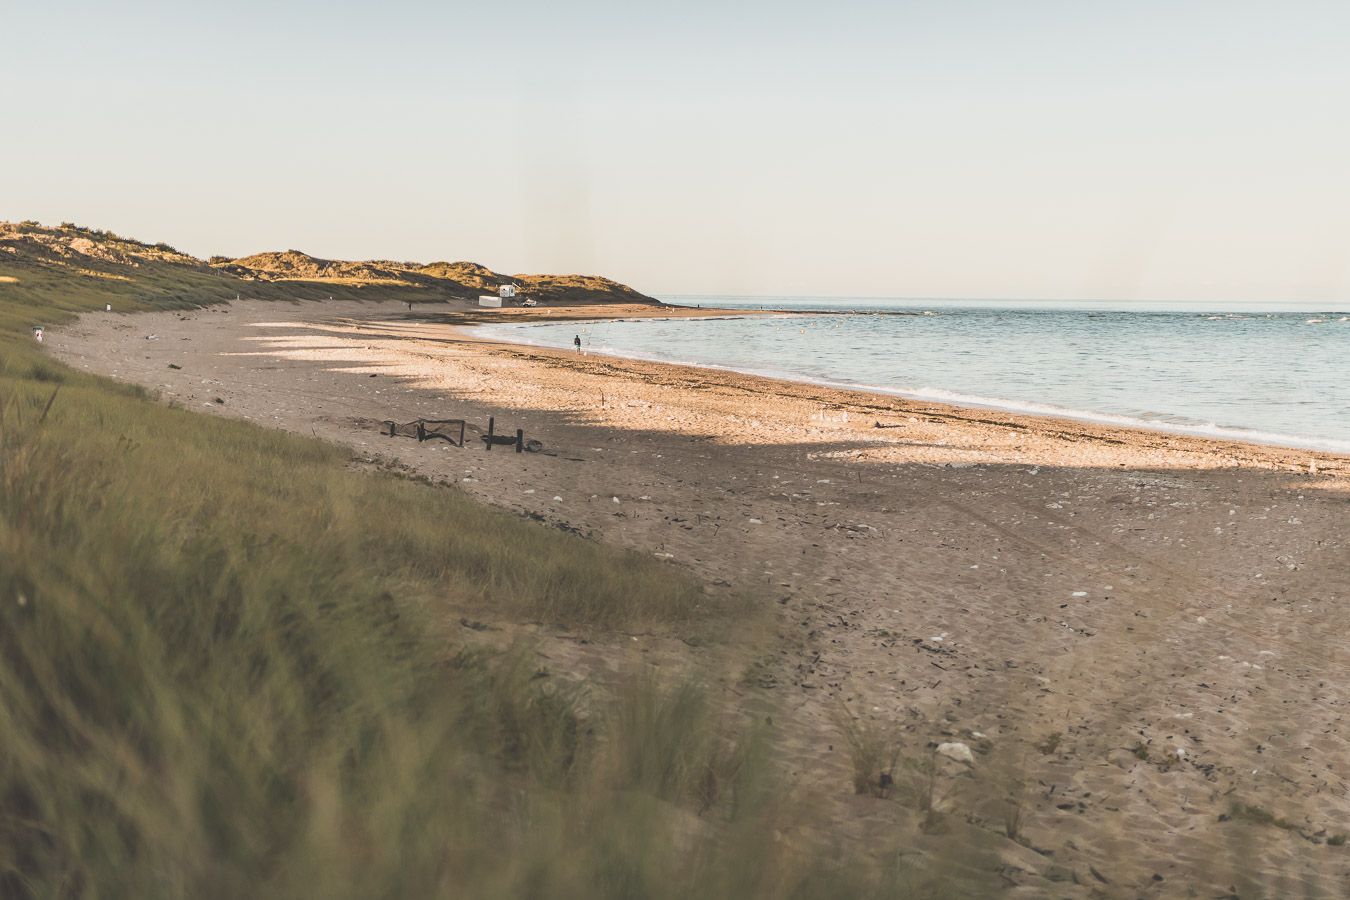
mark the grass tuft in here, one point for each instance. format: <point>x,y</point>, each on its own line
<point>874,751</point>
<point>1259,815</point>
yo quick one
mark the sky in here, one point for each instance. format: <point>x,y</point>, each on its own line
<point>968,148</point>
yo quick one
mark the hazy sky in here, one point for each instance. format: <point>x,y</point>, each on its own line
<point>1159,150</point>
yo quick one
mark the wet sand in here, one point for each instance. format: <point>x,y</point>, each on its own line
<point>1145,628</point>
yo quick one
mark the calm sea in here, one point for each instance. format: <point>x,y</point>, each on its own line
<point>1270,374</point>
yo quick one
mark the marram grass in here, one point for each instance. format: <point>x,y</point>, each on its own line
<point>226,671</point>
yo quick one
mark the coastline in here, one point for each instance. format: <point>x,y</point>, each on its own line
<point>1082,601</point>
<point>1103,427</point>
<point>1210,432</point>
<point>517,333</point>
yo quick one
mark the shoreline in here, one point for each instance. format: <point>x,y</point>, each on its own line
<point>1030,408</point>
<point>1090,426</point>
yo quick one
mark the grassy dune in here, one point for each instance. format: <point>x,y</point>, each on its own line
<point>226,669</point>
<point>70,267</point>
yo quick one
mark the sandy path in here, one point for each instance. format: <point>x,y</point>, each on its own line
<point>1148,628</point>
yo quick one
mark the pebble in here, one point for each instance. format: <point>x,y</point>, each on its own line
<point>957,751</point>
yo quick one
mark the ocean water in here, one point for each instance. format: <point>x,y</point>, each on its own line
<point>1270,375</point>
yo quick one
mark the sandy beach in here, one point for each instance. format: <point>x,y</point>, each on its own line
<point>1138,635</point>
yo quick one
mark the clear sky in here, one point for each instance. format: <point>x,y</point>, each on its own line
<point>968,148</point>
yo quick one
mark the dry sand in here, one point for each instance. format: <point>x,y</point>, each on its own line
<point>1148,628</point>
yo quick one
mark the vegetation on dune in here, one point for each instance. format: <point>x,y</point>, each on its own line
<point>101,255</point>
<point>227,667</point>
<point>231,680</point>
<point>45,256</point>
<point>459,279</point>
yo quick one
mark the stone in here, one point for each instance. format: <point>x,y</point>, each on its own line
<point>957,751</point>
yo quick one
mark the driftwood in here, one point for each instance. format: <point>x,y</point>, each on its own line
<point>449,430</point>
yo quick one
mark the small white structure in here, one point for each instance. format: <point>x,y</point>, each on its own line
<point>506,291</point>
<point>489,300</point>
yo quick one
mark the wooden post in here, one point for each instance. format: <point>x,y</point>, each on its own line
<point>520,440</point>
<point>492,421</point>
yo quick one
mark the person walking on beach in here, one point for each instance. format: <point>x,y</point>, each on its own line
<point>577,342</point>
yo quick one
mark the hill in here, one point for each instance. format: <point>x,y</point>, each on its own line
<point>459,279</point>
<point>159,272</point>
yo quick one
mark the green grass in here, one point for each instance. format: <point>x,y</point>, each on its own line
<point>1248,812</point>
<point>228,668</point>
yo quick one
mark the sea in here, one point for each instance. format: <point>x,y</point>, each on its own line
<point>1267,374</point>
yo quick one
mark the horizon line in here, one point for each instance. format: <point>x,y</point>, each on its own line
<point>661,295</point>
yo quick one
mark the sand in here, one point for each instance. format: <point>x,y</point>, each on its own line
<point>1146,628</point>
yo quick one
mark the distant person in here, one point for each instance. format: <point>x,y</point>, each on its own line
<point>576,341</point>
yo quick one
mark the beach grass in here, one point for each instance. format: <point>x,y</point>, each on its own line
<point>228,668</point>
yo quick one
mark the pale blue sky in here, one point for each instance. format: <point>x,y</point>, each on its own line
<point>973,149</point>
